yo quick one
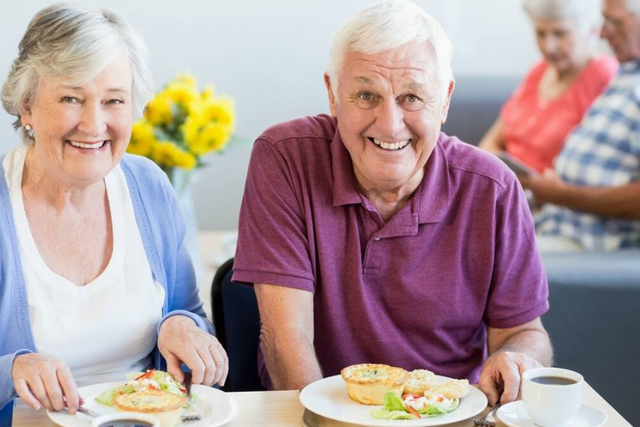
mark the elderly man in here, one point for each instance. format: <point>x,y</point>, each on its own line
<point>593,196</point>
<point>372,237</point>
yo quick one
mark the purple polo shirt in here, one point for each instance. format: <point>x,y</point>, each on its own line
<point>417,291</point>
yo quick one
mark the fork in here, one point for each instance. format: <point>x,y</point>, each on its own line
<point>484,421</point>
<point>190,414</point>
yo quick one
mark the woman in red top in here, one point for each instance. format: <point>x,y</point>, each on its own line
<point>556,94</point>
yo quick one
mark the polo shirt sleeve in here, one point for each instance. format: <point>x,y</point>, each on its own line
<point>273,244</point>
<point>518,292</point>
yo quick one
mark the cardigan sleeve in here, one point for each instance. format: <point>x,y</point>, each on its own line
<point>7,390</point>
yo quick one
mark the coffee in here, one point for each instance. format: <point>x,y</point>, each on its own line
<point>553,380</point>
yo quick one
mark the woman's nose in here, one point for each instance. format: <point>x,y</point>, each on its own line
<point>92,122</point>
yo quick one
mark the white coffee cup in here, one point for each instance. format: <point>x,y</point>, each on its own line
<point>550,404</point>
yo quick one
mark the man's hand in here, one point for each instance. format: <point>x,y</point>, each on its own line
<point>181,341</point>
<point>502,373</point>
<point>43,382</point>
<point>546,187</point>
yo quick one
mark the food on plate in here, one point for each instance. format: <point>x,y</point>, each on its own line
<point>164,405</point>
<point>420,381</point>
<point>452,389</point>
<point>411,406</point>
<point>368,383</point>
<point>152,380</point>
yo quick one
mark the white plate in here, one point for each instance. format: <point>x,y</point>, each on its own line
<point>328,398</point>
<point>514,415</point>
<point>215,406</point>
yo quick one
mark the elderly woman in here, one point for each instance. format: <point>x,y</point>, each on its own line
<point>95,280</point>
<point>558,90</point>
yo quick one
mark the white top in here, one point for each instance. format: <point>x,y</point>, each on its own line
<point>107,327</point>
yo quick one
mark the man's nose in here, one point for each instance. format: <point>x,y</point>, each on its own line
<point>390,119</point>
<point>92,121</point>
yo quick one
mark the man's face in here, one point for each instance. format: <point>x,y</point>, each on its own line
<point>621,29</point>
<point>390,107</point>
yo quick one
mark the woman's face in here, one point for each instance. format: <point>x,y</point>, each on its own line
<point>81,132</point>
<point>562,44</point>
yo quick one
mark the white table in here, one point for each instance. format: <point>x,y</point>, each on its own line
<point>283,409</point>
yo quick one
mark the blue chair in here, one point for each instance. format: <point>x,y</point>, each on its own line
<point>237,322</point>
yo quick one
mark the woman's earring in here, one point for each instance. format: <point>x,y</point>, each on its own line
<point>29,129</point>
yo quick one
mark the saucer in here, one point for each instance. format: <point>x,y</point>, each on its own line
<point>514,415</point>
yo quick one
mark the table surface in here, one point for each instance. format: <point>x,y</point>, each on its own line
<point>274,408</point>
<point>283,409</point>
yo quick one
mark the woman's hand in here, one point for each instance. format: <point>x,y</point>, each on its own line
<point>181,341</point>
<point>43,382</point>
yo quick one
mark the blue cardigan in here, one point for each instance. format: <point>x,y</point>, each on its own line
<point>162,229</point>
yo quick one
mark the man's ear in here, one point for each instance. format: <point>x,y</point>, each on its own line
<point>447,101</point>
<point>332,98</point>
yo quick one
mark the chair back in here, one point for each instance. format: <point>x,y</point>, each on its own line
<point>237,322</point>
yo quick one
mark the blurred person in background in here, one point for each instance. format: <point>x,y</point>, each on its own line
<point>592,195</point>
<point>556,93</point>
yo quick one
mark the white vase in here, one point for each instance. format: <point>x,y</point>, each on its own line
<point>182,182</point>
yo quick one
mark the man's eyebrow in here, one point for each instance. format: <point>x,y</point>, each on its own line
<point>414,86</point>
<point>365,80</point>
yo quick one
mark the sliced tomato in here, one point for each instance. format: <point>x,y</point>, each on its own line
<point>414,395</point>
<point>413,411</point>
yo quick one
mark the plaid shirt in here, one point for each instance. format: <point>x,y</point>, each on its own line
<point>603,151</point>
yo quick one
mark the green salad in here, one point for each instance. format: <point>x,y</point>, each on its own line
<point>411,406</point>
<point>150,380</point>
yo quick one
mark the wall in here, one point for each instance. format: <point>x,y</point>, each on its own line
<point>270,56</point>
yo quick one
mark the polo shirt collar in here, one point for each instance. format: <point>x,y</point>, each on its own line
<point>431,199</point>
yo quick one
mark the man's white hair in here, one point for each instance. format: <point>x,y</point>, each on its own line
<point>388,25</point>
<point>586,14</point>
<point>74,42</point>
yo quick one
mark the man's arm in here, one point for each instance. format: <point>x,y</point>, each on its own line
<point>286,336</point>
<point>621,202</point>
<point>511,352</point>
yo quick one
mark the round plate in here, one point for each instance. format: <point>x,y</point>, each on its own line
<point>514,415</point>
<point>328,398</point>
<point>207,398</point>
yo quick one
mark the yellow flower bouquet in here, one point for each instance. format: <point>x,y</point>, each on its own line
<point>182,124</point>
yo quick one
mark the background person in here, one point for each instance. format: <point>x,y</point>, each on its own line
<point>556,93</point>
<point>592,196</point>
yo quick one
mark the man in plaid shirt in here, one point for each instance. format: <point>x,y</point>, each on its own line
<point>592,200</point>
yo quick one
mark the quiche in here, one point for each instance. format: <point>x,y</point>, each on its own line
<point>166,406</point>
<point>368,382</point>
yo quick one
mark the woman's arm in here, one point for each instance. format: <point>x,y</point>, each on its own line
<point>494,141</point>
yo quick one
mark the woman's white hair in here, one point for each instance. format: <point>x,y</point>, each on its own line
<point>585,14</point>
<point>633,6</point>
<point>73,43</point>
<point>388,25</point>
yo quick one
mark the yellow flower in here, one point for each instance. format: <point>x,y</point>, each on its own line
<point>181,92</point>
<point>168,155</point>
<point>208,92</point>
<point>159,110</point>
<point>142,138</point>
<point>219,110</point>
<point>188,79</point>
